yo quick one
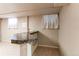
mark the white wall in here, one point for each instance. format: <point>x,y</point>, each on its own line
<point>69,30</point>
<point>0,29</point>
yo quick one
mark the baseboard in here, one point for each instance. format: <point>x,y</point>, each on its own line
<point>48,46</point>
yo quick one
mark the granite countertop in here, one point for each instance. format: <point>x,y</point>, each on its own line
<point>23,41</point>
<point>19,41</point>
<point>33,32</point>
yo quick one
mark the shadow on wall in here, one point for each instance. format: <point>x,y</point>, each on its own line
<point>44,40</point>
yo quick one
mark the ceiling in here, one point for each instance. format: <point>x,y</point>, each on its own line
<point>27,9</point>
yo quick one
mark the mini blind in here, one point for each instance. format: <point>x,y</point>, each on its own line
<point>12,23</point>
<point>50,21</point>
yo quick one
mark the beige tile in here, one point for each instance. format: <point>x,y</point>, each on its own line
<point>46,51</point>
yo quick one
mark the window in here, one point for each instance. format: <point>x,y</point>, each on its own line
<point>12,23</point>
<point>50,21</point>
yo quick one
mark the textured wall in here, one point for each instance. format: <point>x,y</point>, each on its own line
<point>69,30</point>
<point>0,29</point>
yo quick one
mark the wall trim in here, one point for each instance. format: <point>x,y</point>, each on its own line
<point>49,46</point>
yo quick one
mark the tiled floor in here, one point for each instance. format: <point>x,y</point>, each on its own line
<point>46,51</point>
